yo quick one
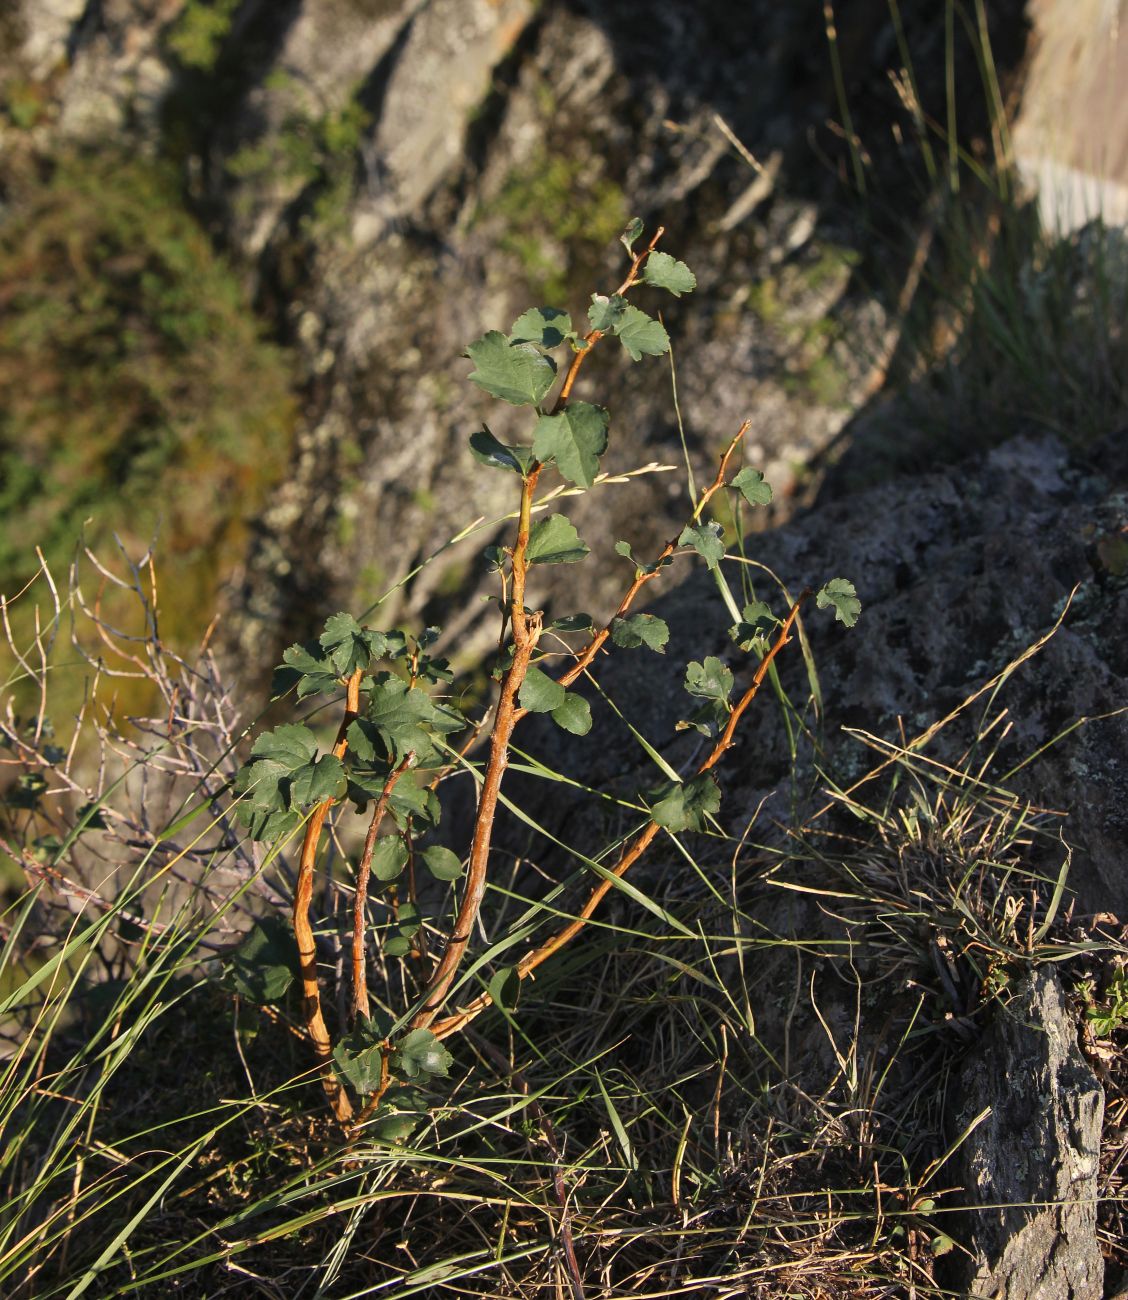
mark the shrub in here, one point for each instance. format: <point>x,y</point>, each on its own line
<point>394,744</point>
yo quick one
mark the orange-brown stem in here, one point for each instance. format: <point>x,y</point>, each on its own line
<point>526,633</point>
<point>593,647</point>
<point>360,901</point>
<point>636,848</point>
<point>303,931</point>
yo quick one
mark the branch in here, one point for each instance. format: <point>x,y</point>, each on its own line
<point>636,848</point>
<point>593,647</point>
<point>303,931</point>
<point>526,634</point>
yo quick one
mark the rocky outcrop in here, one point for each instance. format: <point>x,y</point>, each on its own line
<point>1031,1107</point>
<point>400,175</point>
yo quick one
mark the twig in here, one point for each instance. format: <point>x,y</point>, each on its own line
<point>642,577</point>
<point>636,848</point>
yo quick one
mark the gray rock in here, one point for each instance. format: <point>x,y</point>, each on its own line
<point>1030,1168</point>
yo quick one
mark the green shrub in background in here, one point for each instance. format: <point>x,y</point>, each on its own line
<point>136,387</point>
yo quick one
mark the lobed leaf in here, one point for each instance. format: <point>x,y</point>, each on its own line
<point>840,594</point>
<point>516,373</point>
<point>641,334</point>
<point>638,630</point>
<point>350,646</point>
<point>574,439</point>
<point>554,540</point>
<point>401,719</point>
<point>315,782</point>
<point>750,483</point>
<point>265,964</point>
<point>547,327</point>
<point>756,623</point>
<point>604,314</point>
<point>359,1055</point>
<point>420,1052</point>
<point>710,680</point>
<point>310,673</point>
<point>708,540</point>
<point>666,272</point>
<point>685,807</point>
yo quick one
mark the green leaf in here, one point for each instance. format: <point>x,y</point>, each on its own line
<point>413,798</point>
<point>389,858</point>
<point>350,646</point>
<point>504,988</point>
<point>486,448</point>
<point>547,327</point>
<point>89,817</point>
<point>841,594</point>
<point>282,777</point>
<point>757,622</point>
<point>575,438</point>
<point>573,715</point>
<point>685,807</point>
<point>290,745</point>
<point>265,964</point>
<point>399,945</point>
<point>422,1053</point>
<point>642,335</point>
<point>751,485</point>
<point>408,920</point>
<point>639,630</point>
<point>711,680</point>
<point>709,718</point>
<point>633,231</point>
<point>571,623</point>
<point>494,557</point>
<point>554,540</point>
<point>410,797</point>
<point>708,540</point>
<point>519,374</point>
<point>401,719</point>
<point>358,1055</point>
<point>310,673</point>
<point>624,549</point>
<point>539,693</point>
<point>606,313</point>
<point>442,863</point>
<point>317,781</point>
<point>666,272</point>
